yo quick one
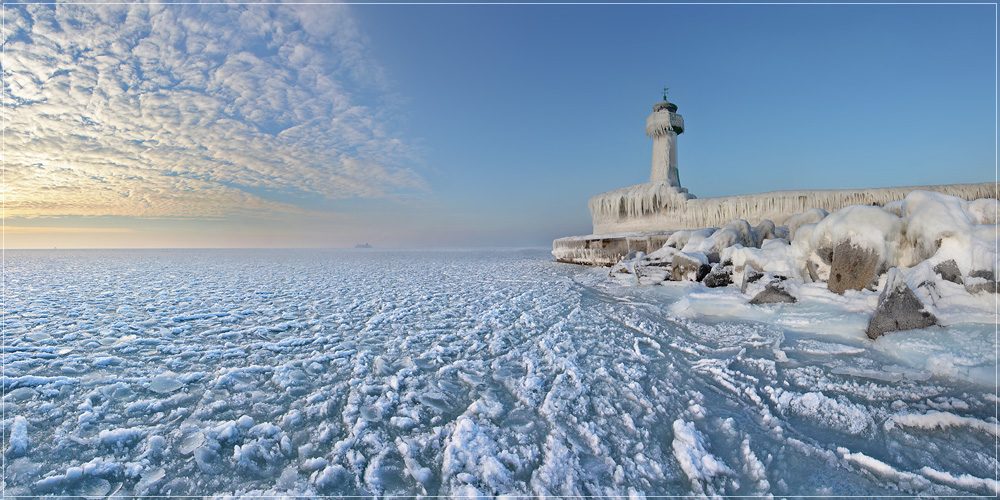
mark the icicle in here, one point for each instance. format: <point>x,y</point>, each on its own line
<point>658,206</point>
<point>658,124</point>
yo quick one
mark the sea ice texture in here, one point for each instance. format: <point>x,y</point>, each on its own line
<point>472,373</point>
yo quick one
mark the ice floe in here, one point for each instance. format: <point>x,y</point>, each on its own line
<point>486,373</point>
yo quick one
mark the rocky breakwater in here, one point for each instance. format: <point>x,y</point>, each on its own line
<point>918,254</point>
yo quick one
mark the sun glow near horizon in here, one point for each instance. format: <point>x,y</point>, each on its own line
<point>145,112</point>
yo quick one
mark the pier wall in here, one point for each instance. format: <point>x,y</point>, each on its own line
<point>642,217</point>
<point>656,207</point>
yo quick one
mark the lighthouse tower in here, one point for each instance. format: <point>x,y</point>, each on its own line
<point>663,126</point>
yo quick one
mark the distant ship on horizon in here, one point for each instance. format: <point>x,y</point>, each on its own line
<point>363,245</point>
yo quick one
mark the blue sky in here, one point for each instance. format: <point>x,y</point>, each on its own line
<point>430,125</point>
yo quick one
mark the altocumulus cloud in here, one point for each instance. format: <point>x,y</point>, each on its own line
<point>194,111</point>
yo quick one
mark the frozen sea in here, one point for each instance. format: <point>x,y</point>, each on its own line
<point>463,373</point>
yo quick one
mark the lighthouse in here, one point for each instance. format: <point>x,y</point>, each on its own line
<point>663,126</point>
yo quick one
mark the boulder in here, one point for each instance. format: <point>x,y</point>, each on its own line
<point>763,231</point>
<point>948,270</point>
<point>689,267</point>
<point>810,216</point>
<point>720,275</point>
<point>660,258</point>
<point>680,239</point>
<point>853,267</point>
<point>981,281</point>
<point>750,275</point>
<point>622,267</point>
<point>633,255</point>
<point>629,264</point>
<point>737,231</point>
<point>898,308</point>
<point>773,293</point>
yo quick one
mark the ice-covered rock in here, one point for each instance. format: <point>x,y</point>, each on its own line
<point>948,270</point>
<point>750,275</point>
<point>984,211</point>
<point>764,231</point>
<point>774,255</point>
<point>898,308</point>
<point>662,257</point>
<point>811,216</point>
<point>869,228</point>
<point>681,239</point>
<point>894,207</point>
<point>931,218</point>
<point>981,281</point>
<point>854,267</point>
<point>628,263</point>
<point>931,238</point>
<point>773,292</point>
<point>689,266</point>
<point>737,231</point>
<point>720,275</point>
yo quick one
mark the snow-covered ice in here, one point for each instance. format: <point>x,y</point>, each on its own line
<point>474,373</point>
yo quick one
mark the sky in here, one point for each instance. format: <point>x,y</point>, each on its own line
<point>137,126</point>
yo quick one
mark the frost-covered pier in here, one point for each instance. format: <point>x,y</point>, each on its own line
<point>641,217</point>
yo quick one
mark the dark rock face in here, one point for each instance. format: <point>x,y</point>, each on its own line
<point>853,267</point>
<point>719,276</point>
<point>948,270</point>
<point>898,308</point>
<point>688,268</point>
<point>750,275</point>
<point>825,255</point>
<point>981,281</point>
<point>773,293</point>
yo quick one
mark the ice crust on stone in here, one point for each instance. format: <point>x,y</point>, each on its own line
<point>488,373</point>
<point>984,211</point>
<point>736,232</point>
<point>932,218</point>
<point>870,228</point>
<point>811,216</point>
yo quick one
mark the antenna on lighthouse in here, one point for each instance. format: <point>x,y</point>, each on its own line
<point>665,89</point>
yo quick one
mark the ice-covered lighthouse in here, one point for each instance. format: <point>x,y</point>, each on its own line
<point>663,126</point>
<point>642,217</point>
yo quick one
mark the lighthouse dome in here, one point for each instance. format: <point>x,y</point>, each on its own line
<point>665,104</point>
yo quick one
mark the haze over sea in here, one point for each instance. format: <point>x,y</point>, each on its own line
<point>467,372</point>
